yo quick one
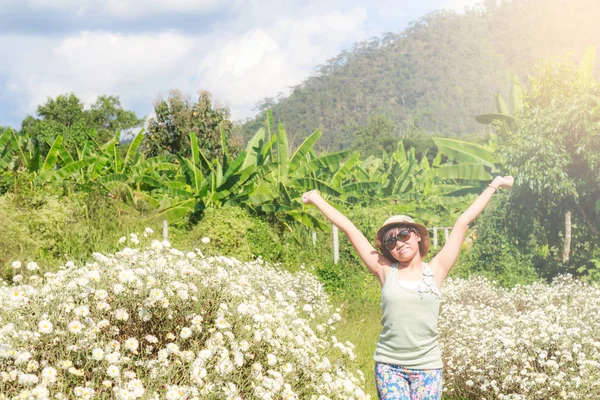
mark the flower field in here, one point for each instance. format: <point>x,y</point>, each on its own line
<point>530,342</point>
<point>158,323</point>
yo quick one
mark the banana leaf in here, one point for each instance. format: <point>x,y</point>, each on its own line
<point>463,172</point>
<point>344,170</point>
<point>305,148</point>
<point>308,220</point>
<point>465,152</point>
<point>283,154</point>
<point>306,184</point>
<point>253,149</point>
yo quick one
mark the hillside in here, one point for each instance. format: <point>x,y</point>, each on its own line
<point>435,75</point>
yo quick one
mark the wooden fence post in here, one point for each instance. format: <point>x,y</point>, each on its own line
<point>314,238</point>
<point>165,230</point>
<point>567,248</point>
<point>336,245</point>
<point>435,244</point>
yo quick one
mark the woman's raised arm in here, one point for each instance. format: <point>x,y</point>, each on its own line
<point>367,253</point>
<point>445,259</point>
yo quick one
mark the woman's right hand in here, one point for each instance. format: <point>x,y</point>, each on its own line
<point>308,197</point>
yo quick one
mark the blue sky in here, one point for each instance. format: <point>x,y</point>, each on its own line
<point>239,50</point>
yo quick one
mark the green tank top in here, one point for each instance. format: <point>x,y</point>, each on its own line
<point>409,337</point>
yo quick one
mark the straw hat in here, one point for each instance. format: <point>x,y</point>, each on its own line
<point>404,220</point>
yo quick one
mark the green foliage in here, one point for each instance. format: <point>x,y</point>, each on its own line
<point>435,74</point>
<point>51,229</point>
<point>502,235</point>
<point>378,135</point>
<point>235,232</point>
<point>65,116</point>
<point>176,117</point>
<point>554,152</point>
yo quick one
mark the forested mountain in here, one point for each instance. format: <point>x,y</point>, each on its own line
<point>437,74</point>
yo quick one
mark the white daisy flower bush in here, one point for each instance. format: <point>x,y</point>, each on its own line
<point>157,323</point>
<point>531,342</point>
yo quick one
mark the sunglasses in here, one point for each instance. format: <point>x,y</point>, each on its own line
<point>402,236</point>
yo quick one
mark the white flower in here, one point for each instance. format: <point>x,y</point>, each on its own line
<point>113,357</point>
<point>205,240</point>
<point>112,371</point>
<point>132,344</point>
<point>118,288</point>
<point>122,239</point>
<point>271,359</point>
<point>16,264</point>
<point>32,266</point>
<point>98,354</point>
<point>151,339</point>
<point>75,327</point>
<point>185,333</point>
<point>221,323</point>
<point>45,326</point>
<point>49,375</point>
<point>121,314</point>
<point>82,311</point>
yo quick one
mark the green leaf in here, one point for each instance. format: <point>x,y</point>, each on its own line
<point>64,155</point>
<point>132,149</point>
<point>283,153</point>
<point>253,148</point>
<point>52,156</point>
<point>308,220</point>
<point>516,97</point>
<point>177,211</point>
<point>463,172</point>
<point>501,107</point>
<point>306,184</point>
<point>345,169</point>
<point>586,67</point>
<point>305,148</point>
<point>327,161</point>
<point>73,167</point>
<point>465,152</point>
<point>355,187</point>
<point>490,118</point>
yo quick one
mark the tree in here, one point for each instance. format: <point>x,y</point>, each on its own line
<point>381,134</point>
<point>107,116</point>
<point>65,116</point>
<point>168,133</point>
<point>553,149</point>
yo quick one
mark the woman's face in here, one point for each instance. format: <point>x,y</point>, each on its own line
<point>404,250</point>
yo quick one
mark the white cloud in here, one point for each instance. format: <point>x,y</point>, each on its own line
<point>459,5</point>
<point>118,8</point>
<point>95,63</point>
<point>259,63</point>
<point>256,49</point>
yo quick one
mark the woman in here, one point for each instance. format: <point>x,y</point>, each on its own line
<point>408,362</point>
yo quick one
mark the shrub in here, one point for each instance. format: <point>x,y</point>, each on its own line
<point>157,322</point>
<point>504,247</point>
<point>531,342</point>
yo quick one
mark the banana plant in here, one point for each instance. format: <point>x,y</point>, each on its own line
<point>202,183</point>
<point>509,114</point>
<point>22,153</point>
<point>131,178</point>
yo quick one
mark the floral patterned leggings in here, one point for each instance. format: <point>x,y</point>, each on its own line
<point>398,383</point>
